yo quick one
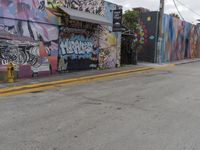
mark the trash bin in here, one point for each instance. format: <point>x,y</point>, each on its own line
<point>134,57</point>
<point>135,60</point>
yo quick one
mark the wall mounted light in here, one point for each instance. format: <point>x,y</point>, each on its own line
<point>149,18</point>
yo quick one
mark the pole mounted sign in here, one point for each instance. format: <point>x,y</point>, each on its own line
<point>117,20</point>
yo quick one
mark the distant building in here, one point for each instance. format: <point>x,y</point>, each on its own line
<point>141,9</point>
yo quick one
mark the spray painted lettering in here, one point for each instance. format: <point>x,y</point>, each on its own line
<point>78,51</point>
<point>76,47</point>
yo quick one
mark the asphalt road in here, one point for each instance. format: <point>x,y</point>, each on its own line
<point>158,110</point>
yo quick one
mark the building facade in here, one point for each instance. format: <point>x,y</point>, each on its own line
<point>28,37</point>
<point>41,40</point>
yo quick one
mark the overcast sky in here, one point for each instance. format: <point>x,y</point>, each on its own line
<point>169,7</point>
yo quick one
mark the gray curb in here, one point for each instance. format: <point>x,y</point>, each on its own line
<point>187,62</point>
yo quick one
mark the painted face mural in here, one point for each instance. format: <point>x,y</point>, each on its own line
<point>28,44</point>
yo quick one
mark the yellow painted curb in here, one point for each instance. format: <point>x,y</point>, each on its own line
<point>73,79</point>
<point>52,84</point>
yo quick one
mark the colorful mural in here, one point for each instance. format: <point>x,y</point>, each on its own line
<point>31,39</point>
<point>197,38</point>
<point>180,40</point>
<point>30,45</point>
<point>32,10</point>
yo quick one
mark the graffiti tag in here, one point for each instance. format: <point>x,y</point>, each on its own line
<point>76,47</point>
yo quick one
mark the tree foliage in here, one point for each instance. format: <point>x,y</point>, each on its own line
<point>130,19</point>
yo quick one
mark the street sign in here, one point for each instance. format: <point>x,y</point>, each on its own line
<point>117,20</point>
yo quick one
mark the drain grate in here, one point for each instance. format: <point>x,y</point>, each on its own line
<point>37,92</point>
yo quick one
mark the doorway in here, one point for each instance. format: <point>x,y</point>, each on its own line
<point>128,54</point>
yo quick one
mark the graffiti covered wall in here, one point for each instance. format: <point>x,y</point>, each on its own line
<point>109,46</point>
<point>180,40</point>
<point>110,42</point>
<point>91,6</point>
<point>31,39</point>
<point>27,37</point>
<point>78,50</point>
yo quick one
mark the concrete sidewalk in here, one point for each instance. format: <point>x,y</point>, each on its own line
<point>68,75</point>
<point>78,74</point>
<point>186,61</point>
<point>50,84</point>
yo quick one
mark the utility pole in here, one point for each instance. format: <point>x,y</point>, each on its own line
<point>160,32</point>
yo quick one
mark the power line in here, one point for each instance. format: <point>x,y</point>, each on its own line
<point>178,10</point>
<point>188,8</point>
